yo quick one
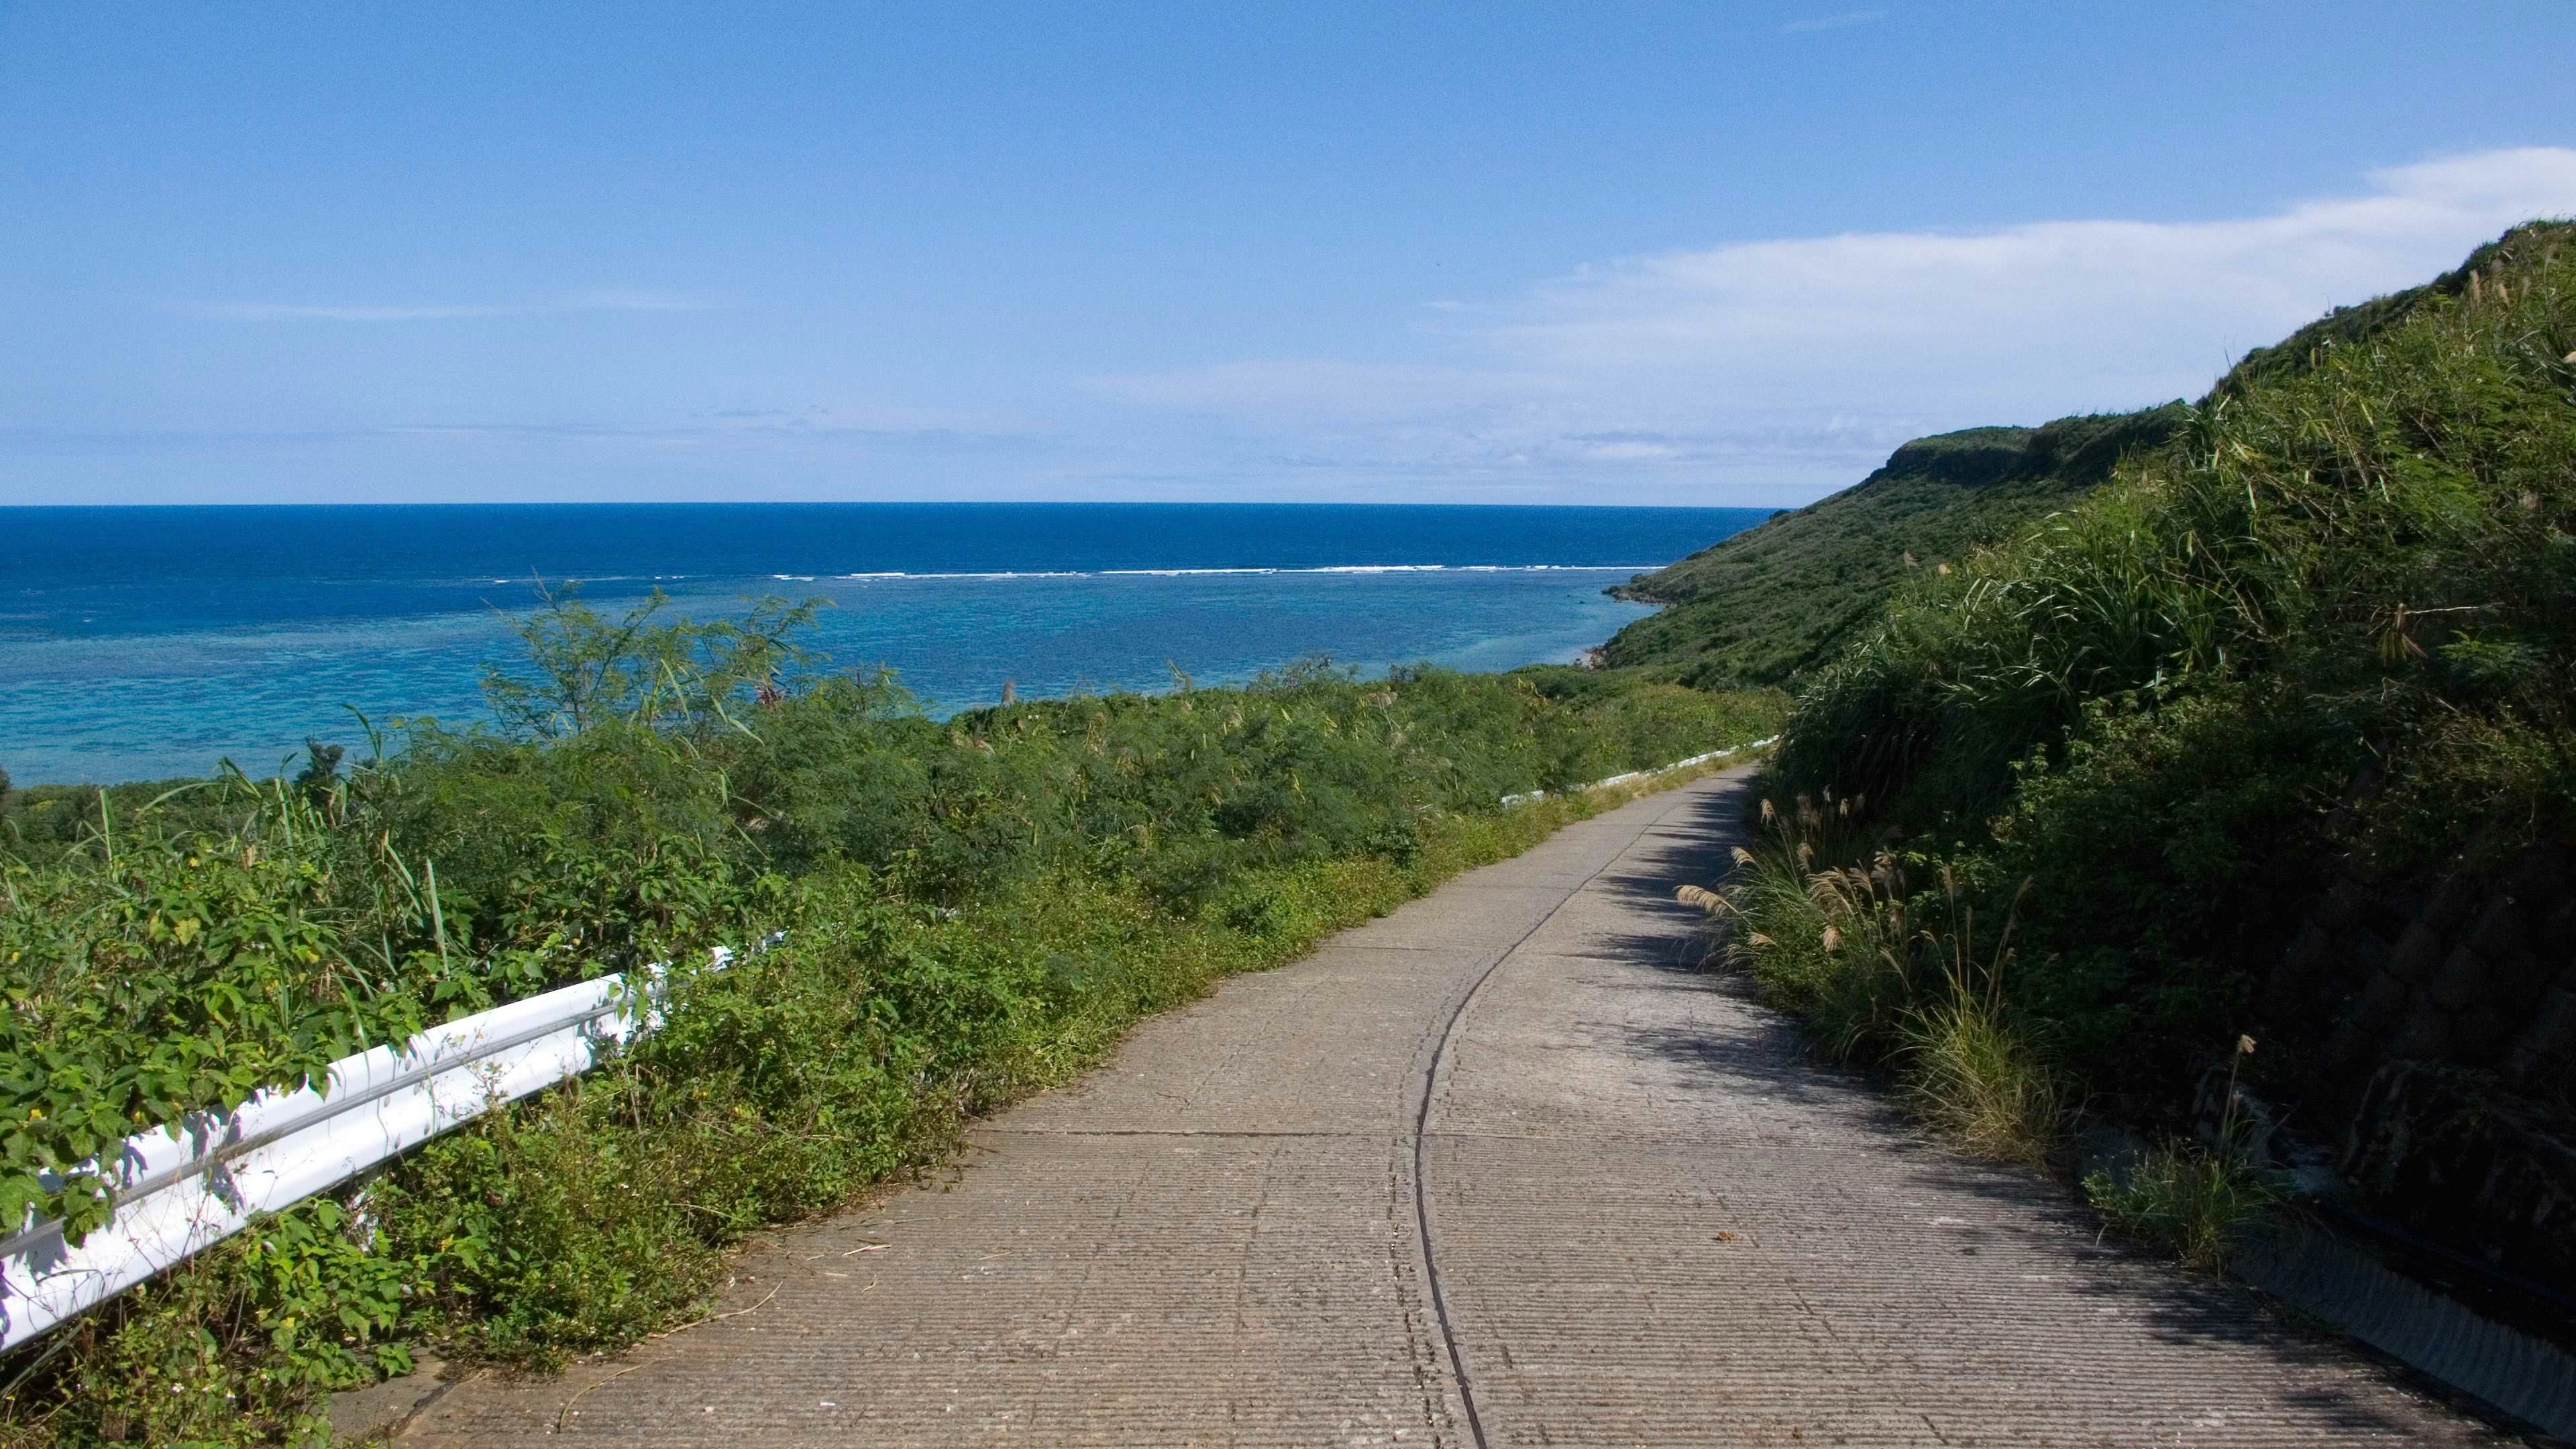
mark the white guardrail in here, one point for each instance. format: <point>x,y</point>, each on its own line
<point>179,1192</point>
<point>1617,780</point>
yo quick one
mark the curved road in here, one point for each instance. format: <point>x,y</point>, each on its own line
<point>1498,1169</point>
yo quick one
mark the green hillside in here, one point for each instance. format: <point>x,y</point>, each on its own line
<point>1774,601</point>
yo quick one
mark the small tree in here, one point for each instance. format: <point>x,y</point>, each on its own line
<point>590,669</point>
<point>321,769</point>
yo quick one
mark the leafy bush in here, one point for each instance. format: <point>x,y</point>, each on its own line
<point>176,973</point>
<point>237,1345</point>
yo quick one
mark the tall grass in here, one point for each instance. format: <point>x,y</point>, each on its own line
<point>1884,973</point>
<point>2193,1202</point>
<point>1971,1067</point>
<point>2200,1202</point>
<point>2333,618</point>
<point>1834,944</point>
<point>1780,600</point>
<point>2330,625</point>
<point>2351,519</point>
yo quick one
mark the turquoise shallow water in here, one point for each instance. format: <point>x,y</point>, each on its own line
<point>140,643</point>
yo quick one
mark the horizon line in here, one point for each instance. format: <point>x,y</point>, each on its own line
<point>897,503</point>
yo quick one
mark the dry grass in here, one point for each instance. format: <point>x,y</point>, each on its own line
<point>1848,948</point>
<point>1973,1076</point>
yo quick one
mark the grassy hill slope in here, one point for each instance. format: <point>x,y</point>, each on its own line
<point>1773,602</point>
<point>1776,600</point>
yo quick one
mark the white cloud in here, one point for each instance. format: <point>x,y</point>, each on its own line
<point>2158,305</point>
<point>1829,349</point>
<point>629,299</point>
<point>1325,391</point>
<point>1832,22</point>
<point>306,312</point>
<point>602,301</point>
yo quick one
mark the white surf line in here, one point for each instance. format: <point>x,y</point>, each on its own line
<point>865,576</point>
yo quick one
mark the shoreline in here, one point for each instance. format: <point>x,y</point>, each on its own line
<point>173,705</point>
<point>336,723</point>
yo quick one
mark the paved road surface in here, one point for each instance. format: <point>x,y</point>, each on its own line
<point>1498,1169</point>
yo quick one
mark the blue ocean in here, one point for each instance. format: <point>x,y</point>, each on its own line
<point>140,643</point>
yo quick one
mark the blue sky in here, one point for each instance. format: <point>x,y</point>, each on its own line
<point>1719,254</point>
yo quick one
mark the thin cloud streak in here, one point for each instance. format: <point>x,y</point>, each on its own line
<point>302,312</point>
<point>606,301</point>
<point>1843,21</point>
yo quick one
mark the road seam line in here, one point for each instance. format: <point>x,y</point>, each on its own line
<point>1422,1119</point>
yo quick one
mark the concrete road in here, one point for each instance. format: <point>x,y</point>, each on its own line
<point>1501,1168</point>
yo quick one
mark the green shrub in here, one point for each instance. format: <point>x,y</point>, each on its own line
<point>173,973</point>
<point>238,1345</point>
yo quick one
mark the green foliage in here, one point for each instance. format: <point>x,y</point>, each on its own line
<point>2388,527</point>
<point>321,770</point>
<point>171,974</point>
<point>237,1346</point>
<point>974,908</point>
<point>1972,1071</point>
<point>2165,853</point>
<point>2357,570</point>
<point>42,823</point>
<point>1835,944</point>
<point>1776,603</point>
<point>2194,1201</point>
<point>2332,618</point>
<point>2359,325</point>
<point>2186,1199</point>
<point>2477,787</point>
<point>584,670</point>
